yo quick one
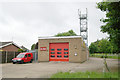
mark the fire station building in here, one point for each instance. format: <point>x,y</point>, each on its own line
<point>67,48</point>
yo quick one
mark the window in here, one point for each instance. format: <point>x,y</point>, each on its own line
<point>52,55</point>
<point>25,55</point>
<point>65,52</point>
<point>66,49</point>
<point>59,56</point>
<point>58,52</point>
<point>52,52</point>
<point>20,55</point>
<point>29,55</point>
<point>52,49</point>
<point>59,49</point>
<point>65,56</point>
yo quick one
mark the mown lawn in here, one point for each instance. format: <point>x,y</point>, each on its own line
<point>85,75</point>
<point>103,55</point>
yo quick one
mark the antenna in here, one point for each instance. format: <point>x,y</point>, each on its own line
<point>83,26</point>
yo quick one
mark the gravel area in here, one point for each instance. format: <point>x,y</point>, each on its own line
<point>46,69</point>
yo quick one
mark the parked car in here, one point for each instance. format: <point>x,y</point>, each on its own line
<point>23,57</point>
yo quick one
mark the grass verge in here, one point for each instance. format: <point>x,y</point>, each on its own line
<point>102,55</point>
<point>85,75</point>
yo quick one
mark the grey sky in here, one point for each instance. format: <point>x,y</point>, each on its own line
<point>23,22</point>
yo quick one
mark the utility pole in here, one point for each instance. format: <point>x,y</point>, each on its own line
<point>83,26</point>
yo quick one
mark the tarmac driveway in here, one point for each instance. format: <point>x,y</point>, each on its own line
<point>46,69</point>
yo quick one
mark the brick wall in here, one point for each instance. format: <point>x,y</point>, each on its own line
<point>76,45</point>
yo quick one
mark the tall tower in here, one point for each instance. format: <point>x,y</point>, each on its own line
<point>83,26</point>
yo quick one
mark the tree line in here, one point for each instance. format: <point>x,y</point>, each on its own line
<point>69,33</point>
<point>102,46</point>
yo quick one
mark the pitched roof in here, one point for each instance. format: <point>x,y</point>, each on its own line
<point>3,44</point>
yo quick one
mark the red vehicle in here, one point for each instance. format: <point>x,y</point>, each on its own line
<point>23,57</point>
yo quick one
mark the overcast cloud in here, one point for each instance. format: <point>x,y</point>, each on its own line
<point>24,22</point>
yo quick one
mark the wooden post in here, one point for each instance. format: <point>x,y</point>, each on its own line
<point>0,56</point>
<point>6,56</point>
<point>14,54</point>
<point>35,56</point>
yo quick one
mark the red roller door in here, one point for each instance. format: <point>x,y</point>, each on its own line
<point>59,52</point>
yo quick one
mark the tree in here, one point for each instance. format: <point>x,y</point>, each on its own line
<point>69,33</point>
<point>104,46</point>
<point>33,47</point>
<point>36,45</point>
<point>21,50</point>
<point>96,44</point>
<point>112,26</point>
<point>93,48</point>
<point>114,47</point>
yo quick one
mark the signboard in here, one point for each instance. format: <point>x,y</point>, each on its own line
<point>43,49</point>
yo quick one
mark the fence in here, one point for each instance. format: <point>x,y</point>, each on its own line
<point>7,56</point>
<point>35,55</point>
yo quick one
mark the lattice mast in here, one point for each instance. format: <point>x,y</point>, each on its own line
<point>83,25</point>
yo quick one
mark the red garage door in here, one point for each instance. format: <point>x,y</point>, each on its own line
<point>59,52</point>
